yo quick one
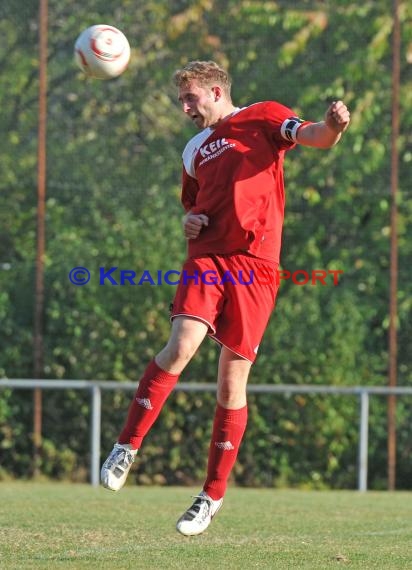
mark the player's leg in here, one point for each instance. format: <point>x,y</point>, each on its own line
<point>194,310</point>
<point>157,382</point>
<point>239,326</point>
<point>229,422</point>
<point>228,428</point>
<point>160,378</point>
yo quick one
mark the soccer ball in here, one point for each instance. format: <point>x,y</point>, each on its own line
<point>102,52</point>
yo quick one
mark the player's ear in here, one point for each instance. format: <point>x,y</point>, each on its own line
<point>217,92</point>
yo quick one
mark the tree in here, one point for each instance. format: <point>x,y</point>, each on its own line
<point>113,201</point>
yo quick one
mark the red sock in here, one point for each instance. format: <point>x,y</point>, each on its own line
<point>228,429</point>
<point>151,394</point>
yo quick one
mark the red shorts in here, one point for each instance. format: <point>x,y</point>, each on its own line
<point>233,294</point>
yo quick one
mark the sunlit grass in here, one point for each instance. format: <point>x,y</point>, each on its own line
<point>76,526</point>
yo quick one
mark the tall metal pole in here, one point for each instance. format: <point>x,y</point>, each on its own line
<point>38,348</point>
<point>393,308</point>
<point>95,434</point>
<point>363,441</point>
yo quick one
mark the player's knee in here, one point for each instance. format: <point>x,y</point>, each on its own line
<point>180,351</point>
<point>230,397</point>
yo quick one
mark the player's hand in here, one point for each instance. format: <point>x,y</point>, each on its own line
<point>337,117</point>
<point>193,223</point>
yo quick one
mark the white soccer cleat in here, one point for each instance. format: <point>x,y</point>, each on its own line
<point>199,516</point>
<point>117,466</point>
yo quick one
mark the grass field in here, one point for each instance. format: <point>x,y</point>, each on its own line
<point>75,526</point>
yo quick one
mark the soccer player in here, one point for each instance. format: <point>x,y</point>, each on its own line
<point>233,194</point>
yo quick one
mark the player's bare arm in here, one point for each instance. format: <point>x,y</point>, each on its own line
<point>193,223</point>
<point>326,133</point>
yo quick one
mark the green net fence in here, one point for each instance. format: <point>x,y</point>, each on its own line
<point>112,200</point>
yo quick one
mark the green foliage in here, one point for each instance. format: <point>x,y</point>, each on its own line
<point>113,180</point>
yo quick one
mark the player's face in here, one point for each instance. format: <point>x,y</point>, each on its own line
<point>199,103</point>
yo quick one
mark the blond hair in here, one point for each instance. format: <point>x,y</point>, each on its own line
<point>206,73</point>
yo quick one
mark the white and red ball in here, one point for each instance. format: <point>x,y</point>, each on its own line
<point>102,51</point>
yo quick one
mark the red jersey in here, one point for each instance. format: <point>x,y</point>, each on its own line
<point>234,175</point>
